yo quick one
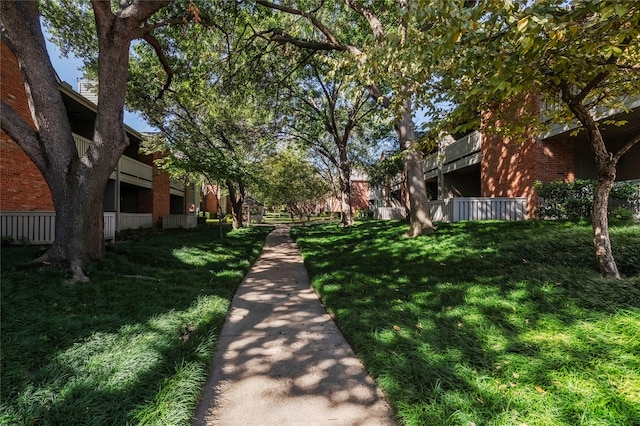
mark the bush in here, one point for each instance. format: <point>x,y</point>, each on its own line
<point>574,200</point>
<point>622,214</point>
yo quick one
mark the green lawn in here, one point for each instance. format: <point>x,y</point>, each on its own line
<point>131,347</point>
<point>487,323</point>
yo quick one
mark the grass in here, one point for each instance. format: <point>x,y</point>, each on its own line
<point>487,323</point>
<point>131,347</point>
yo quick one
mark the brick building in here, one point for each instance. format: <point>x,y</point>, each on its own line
<point>137,194</point>
<point>486,165</point>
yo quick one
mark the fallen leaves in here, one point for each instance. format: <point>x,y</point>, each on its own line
<point>540,390</point>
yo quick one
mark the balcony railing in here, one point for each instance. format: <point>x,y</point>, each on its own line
<point>132,171</point>
<point>177,221</point>
<point>550,106</point>
<point>461,153</point>
<point>176,188</point>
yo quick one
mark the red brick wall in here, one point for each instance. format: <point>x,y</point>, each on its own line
<point>210,199</point>
<point>510,168</point>
<point>359,195</point>
<point>22,187</point>
<point>161,194</point>
<point>557,161</point>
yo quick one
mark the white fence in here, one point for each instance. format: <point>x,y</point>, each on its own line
<point>40,227</point>
<point>388,213</point>
<point>176,221</point>
<point>109,226</point>
<point>482,208</point>
<point>135,221</point>
<point>465,208</point>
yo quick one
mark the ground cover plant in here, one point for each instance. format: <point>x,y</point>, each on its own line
<point>487,323</point>
<point>131,347</point>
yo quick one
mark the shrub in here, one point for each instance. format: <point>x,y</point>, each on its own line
<point>622,214</point>
<point>574,200</point>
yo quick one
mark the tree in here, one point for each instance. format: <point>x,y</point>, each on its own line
<point>583,56</point>
<point>375,15</point>
<point>329,116</point>
<point>77,182</point>
<point>288,179</point>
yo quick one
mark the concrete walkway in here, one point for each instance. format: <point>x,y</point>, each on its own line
<point>281,359</point>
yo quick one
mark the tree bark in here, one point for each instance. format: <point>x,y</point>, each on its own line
<point>600,221</point>
<point>237,200</point>
<point>344,175</point>
<point>419,211</point>
<point>606,169</point>
<point>77,181</point>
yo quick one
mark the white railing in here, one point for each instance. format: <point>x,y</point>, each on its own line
<point>82,144</point>
<point>550,106</point>
<point>176,188</point>
<point>109,226</point>
<point>441,210</point>
<point>465,208</point>
<point>498,208</point>
<point>40,227</point>
<point>134,221</point>
<point>388,213</point>
<point>176,221</point>
<point>128,166</point>
<point>136,169</point>
<point>461,148</point>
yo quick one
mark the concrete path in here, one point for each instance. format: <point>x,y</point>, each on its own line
<point>281,359</point>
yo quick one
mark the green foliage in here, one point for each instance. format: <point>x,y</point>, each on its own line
<point>498,323</point>
<point>478,58</point>
<point>565,200</point>
<point>574,200</point>
<point>215,117</point>
<point>288,179</point>
<point>134,346</point>
<point>622,214</point>
<point>387,168</point>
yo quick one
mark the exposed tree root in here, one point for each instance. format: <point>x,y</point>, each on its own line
<point>417,231</point>
<point>78,275</point>
<point>51,258</point>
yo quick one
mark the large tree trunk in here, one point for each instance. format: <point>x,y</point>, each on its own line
<point>606,169</point>
<point>600,221</point>
<point>77,182</point>
<point>419,212</point>
<point>237,200</point>
<point>79,226</point>
<point>344,176</point>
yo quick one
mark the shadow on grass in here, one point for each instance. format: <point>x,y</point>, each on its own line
<point>491,323</point>
<point>108,352</point>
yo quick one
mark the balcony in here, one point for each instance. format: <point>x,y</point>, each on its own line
<point>131,171</point>
<point>176,188</point>
<point>464,152</point>
<point>549,106</point>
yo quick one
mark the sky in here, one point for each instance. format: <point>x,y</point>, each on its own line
<point>69,70</point>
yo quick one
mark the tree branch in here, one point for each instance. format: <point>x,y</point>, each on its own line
<point>163,60</point>
<point>366,13</point>
<point>22,133</point>
<point>140,10</point>
<point>332,44</point>
<point>625,148</point>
